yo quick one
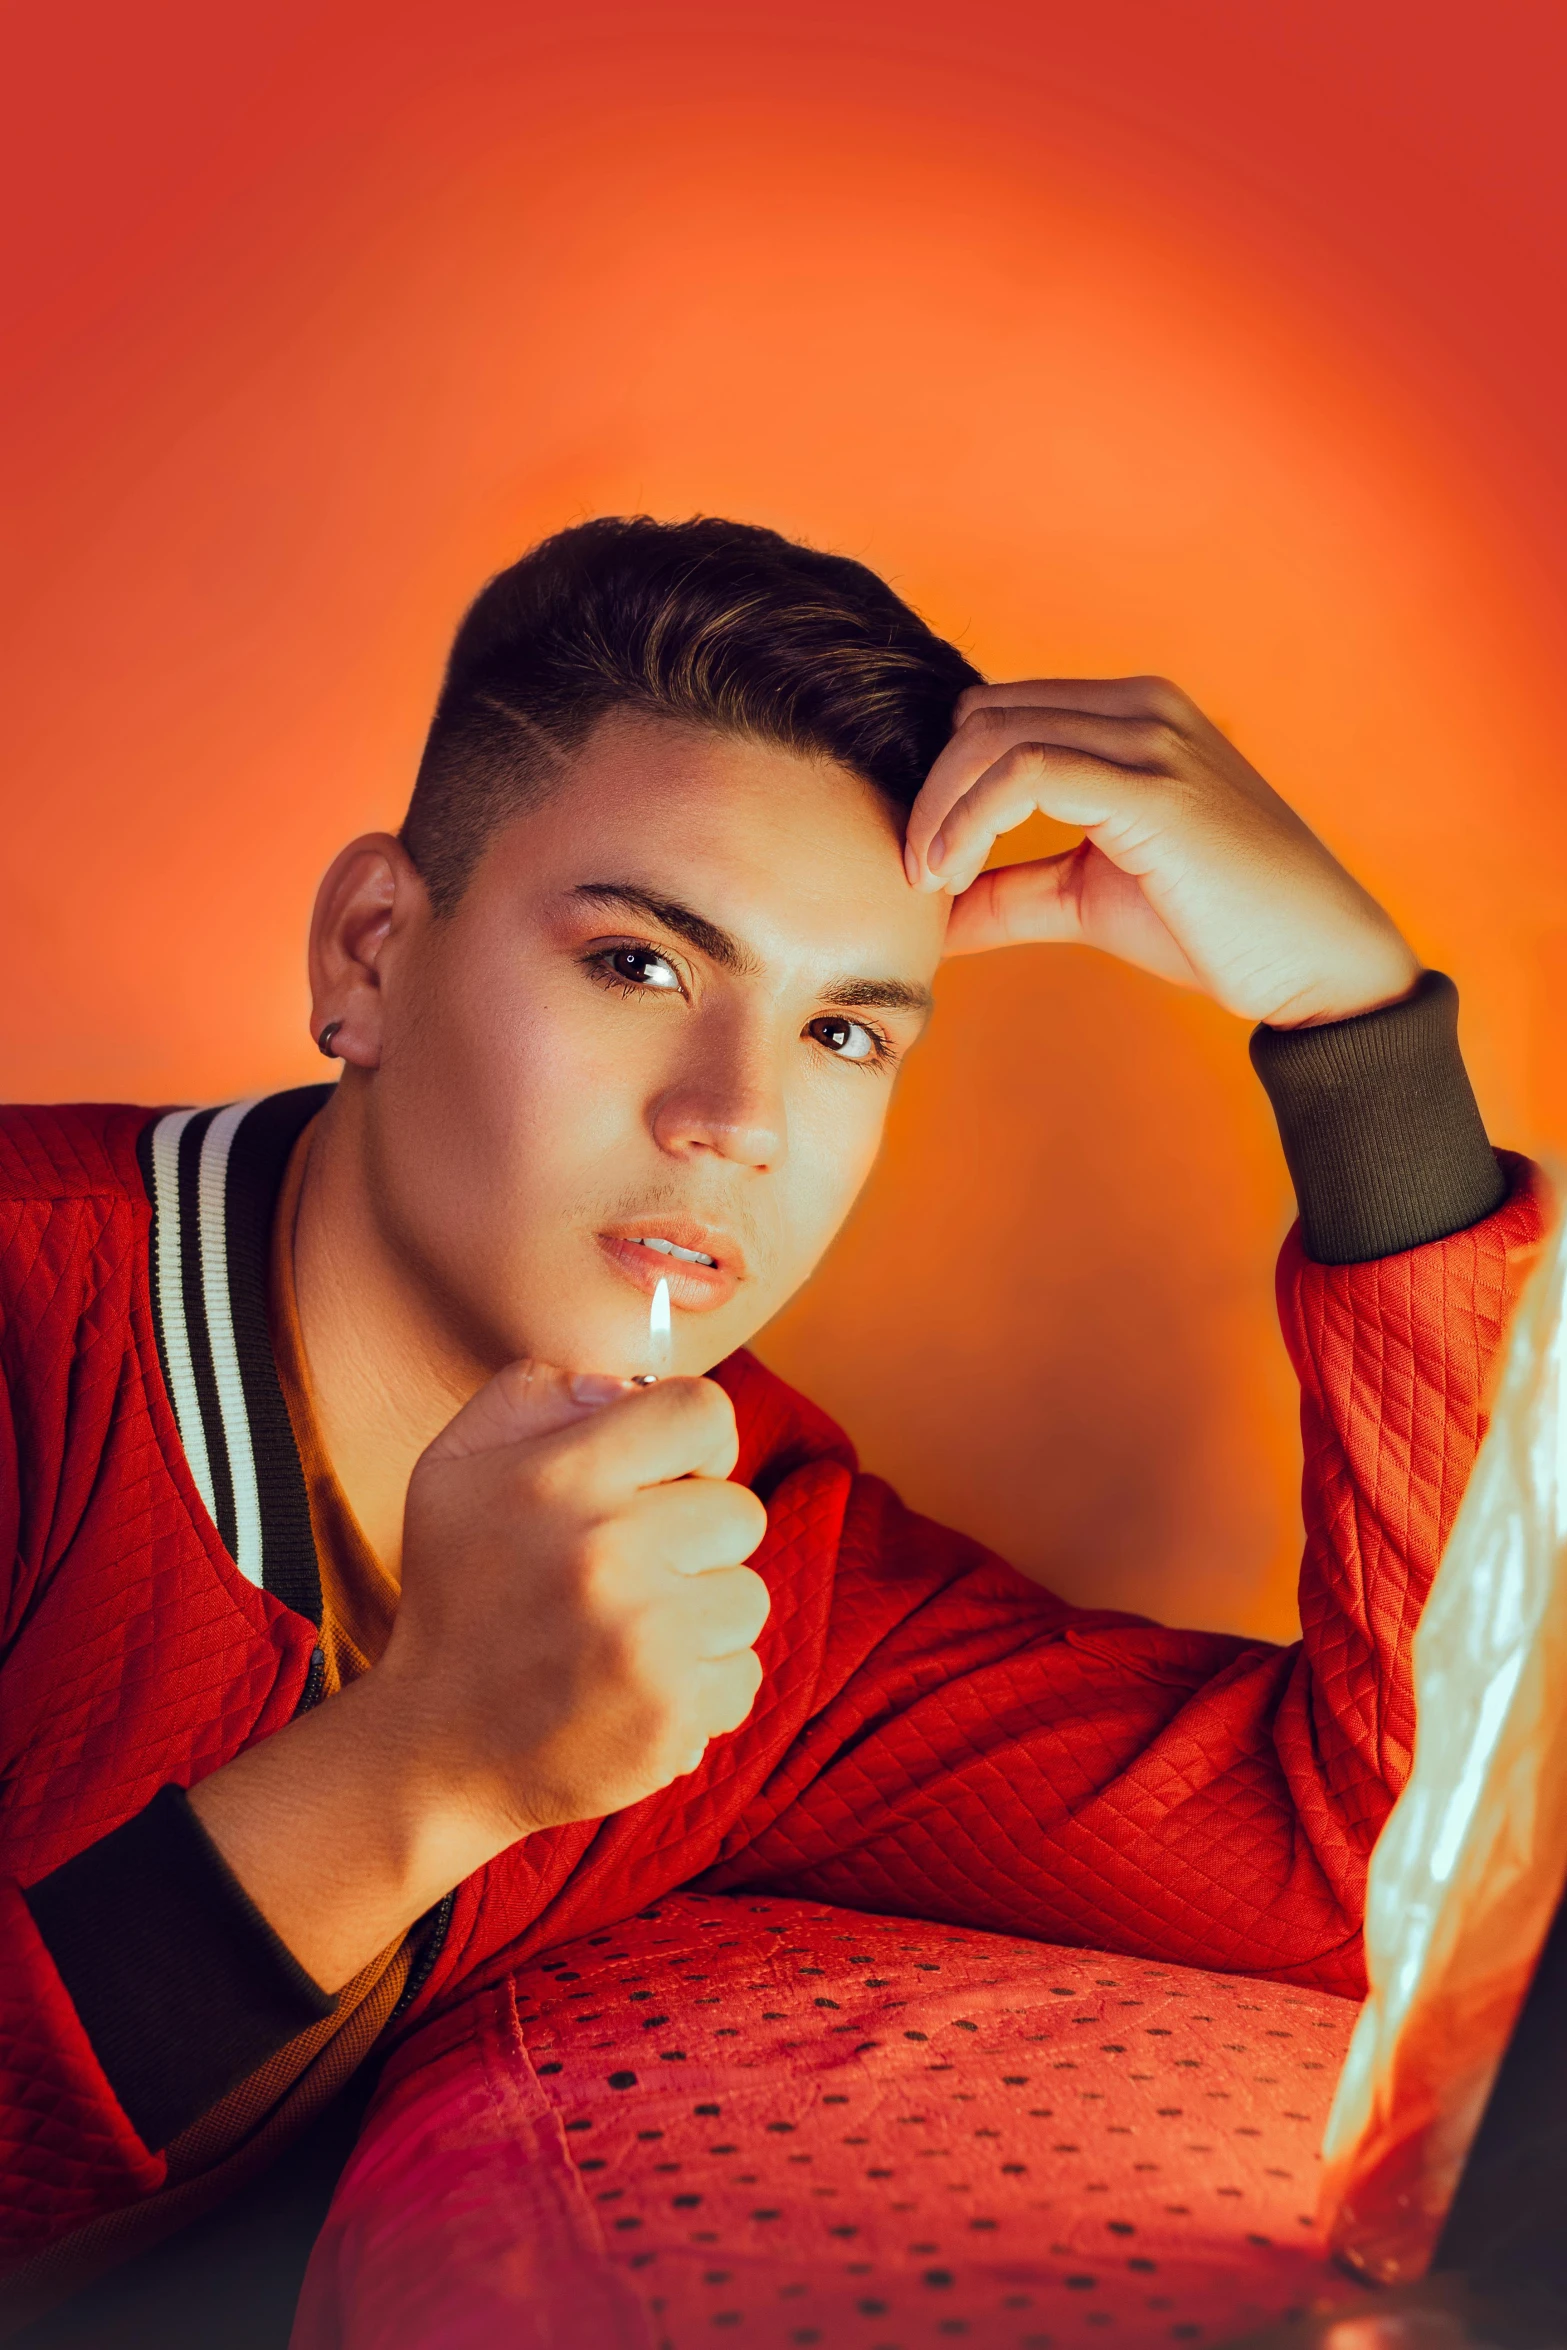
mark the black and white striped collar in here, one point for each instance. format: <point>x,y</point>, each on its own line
<point>213,1177</point>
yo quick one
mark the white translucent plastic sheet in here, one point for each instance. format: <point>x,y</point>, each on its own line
<point>1468,1871</point>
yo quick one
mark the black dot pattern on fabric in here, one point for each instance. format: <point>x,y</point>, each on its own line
<point>845,2140</point>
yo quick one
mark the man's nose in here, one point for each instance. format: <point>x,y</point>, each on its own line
<point>728,1105</point>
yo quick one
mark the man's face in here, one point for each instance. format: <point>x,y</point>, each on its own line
<point>666,1016</point>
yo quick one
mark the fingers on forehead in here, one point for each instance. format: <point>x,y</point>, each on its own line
<point>1127,740</point>
<point>1071,784</point>
<point>985,738</point>
<point>1003,795</point>
<point>990,770</point>
<point>1112,697</point>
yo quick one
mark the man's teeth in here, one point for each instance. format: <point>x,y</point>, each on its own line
<point>667,1248</point>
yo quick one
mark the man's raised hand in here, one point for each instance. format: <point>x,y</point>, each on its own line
<point>1191,865</point>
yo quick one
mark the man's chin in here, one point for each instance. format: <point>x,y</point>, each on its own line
<point>606,1340</point>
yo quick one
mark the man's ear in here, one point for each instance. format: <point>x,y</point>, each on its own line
<point>370,897</point>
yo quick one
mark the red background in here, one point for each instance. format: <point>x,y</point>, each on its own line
<point>1206,336</point>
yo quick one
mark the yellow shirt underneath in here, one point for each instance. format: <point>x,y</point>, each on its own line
<point>358,1596</point>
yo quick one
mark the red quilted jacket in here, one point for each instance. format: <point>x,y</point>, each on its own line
<point>935,1735</point>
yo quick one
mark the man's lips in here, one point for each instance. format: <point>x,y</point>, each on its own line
<point>645,1254</point>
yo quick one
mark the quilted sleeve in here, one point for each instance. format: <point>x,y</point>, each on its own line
<point>993,1757</point>
<point>10,1509</point>
<point>67,2150</point>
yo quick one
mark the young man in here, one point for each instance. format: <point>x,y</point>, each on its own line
<point>369,1626</point>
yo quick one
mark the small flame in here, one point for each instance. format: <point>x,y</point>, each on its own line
<point>659,1331</point>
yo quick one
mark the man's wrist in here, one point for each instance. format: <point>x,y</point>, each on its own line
<point>343,1830</point>
<point>1395,985</point>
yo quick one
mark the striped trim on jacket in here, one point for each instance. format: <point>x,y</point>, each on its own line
<point>213,1177</point>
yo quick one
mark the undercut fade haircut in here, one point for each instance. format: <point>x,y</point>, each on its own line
<point>717,624</point>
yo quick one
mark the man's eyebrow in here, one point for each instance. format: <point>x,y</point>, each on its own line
<point>669,914</point>
<point>880,995</point>
<point>854,995</point>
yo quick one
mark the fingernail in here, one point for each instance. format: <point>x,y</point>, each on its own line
<point>936,854</point>
<point>597,1387</point>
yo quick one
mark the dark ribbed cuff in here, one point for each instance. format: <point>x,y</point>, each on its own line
<point>1380,1127</point>
<point>179,1982</point>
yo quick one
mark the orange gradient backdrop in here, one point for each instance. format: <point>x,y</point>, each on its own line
<point>1200,338</point>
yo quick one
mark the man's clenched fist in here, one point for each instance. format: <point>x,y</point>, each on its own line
<point>576,1622</point>
<point>576,1618</point>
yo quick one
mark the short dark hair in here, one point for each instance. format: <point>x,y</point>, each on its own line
<point>720,624</point>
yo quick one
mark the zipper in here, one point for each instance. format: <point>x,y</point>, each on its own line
<point>438,1921</point>
<point>315,1683</point>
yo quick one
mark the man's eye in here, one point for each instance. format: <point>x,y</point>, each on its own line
<point>640,967</point>
<point>846,1038</point>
